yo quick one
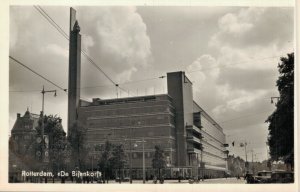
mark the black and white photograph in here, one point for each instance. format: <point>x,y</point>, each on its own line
<point>151,94</point>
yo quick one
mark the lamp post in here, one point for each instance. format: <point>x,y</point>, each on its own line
<point>245,148</point>
<point>170,157</point>
<point>130,155</point>
<point>143,146</point>
<point>43,125</point>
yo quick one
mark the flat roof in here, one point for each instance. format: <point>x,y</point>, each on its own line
<point>98,101</point>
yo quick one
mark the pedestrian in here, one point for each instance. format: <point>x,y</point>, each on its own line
<point>179,177</point>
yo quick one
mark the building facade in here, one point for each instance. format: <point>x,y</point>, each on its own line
<point>28,151</point>
<point>22,137</point>
<point>194,144</point>
<point>23,132</point>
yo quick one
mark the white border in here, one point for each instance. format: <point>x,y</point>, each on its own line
<point>4,52</point>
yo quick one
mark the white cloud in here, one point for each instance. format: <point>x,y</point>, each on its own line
<point>125,75</point>
<point>120,41</point>
<point>230,24</point>
<point>203,69</point>
<point>254,26</point>
<point>87,42</point>
<point>239,101</point>
<point>56,49</point>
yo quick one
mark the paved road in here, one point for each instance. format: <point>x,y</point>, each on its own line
<point>207,181</point>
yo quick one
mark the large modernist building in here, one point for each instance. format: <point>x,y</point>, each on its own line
<point>194,144</point>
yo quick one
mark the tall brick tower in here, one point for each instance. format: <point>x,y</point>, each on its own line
<point>74,69</point>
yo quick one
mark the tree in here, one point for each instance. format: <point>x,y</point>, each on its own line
<point>281,121</point>
<point>158,161</point>
<point>58,145</point>
<point>77,139</point>
<point>105,160</point>
<point>236,165</point>
<point>118,159</point>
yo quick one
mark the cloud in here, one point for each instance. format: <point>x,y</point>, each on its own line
<point>248,79</point>
<point>240,75</point>
<point>204,62</point>
<point>255,26</point>
<point>87,42</point>
<point>120,42</point>
<point>203,72</point>
<point>57,50</point>
<point>230,24</point>
<point>240,101</point>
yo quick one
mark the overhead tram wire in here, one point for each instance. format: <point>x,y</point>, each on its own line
<point>61,31</point>
<point>20,63</point>
<point>24,91</point>
<point>98,86</point>
<point>65,90</point>
<point>51,21</point>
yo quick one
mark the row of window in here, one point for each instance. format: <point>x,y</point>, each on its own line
<point>16,137</point>
<point>212,130</point>
<point>129,111</point>
<point>136,144</point>
<point>213,150</point>
<point>211,160</point>
<point>131,132</point>
<point>132,121</point>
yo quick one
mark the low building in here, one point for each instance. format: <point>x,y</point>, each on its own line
<point>194,144</point>
<point>24,131</point>
<point>23,134</point>
<point>27,150</point>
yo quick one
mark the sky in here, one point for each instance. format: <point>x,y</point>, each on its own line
<point>229,53</point>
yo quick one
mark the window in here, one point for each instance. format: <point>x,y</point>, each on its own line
<point>26,137</point>
<point>134,155</point>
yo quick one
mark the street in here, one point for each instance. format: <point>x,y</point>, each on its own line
<point>207,181</point>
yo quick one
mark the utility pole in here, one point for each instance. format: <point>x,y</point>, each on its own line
<point>143,147</point>
<point>245,148</point>
<point>143,160</point>
<point>252,162</point>
<point>43,124</point>
<point>130,156</point>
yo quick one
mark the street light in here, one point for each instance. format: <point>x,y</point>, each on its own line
<point>43,103</point>
<point>143,141</point>
<point>245,148</point>
<point>170,145</point>
<point>130,157</point>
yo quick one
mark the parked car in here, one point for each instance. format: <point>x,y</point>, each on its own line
<point>282,177</point>
<point>125,179</point>
<point>278,176</point>
<point>262,177</point>
<point>249,178</point>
